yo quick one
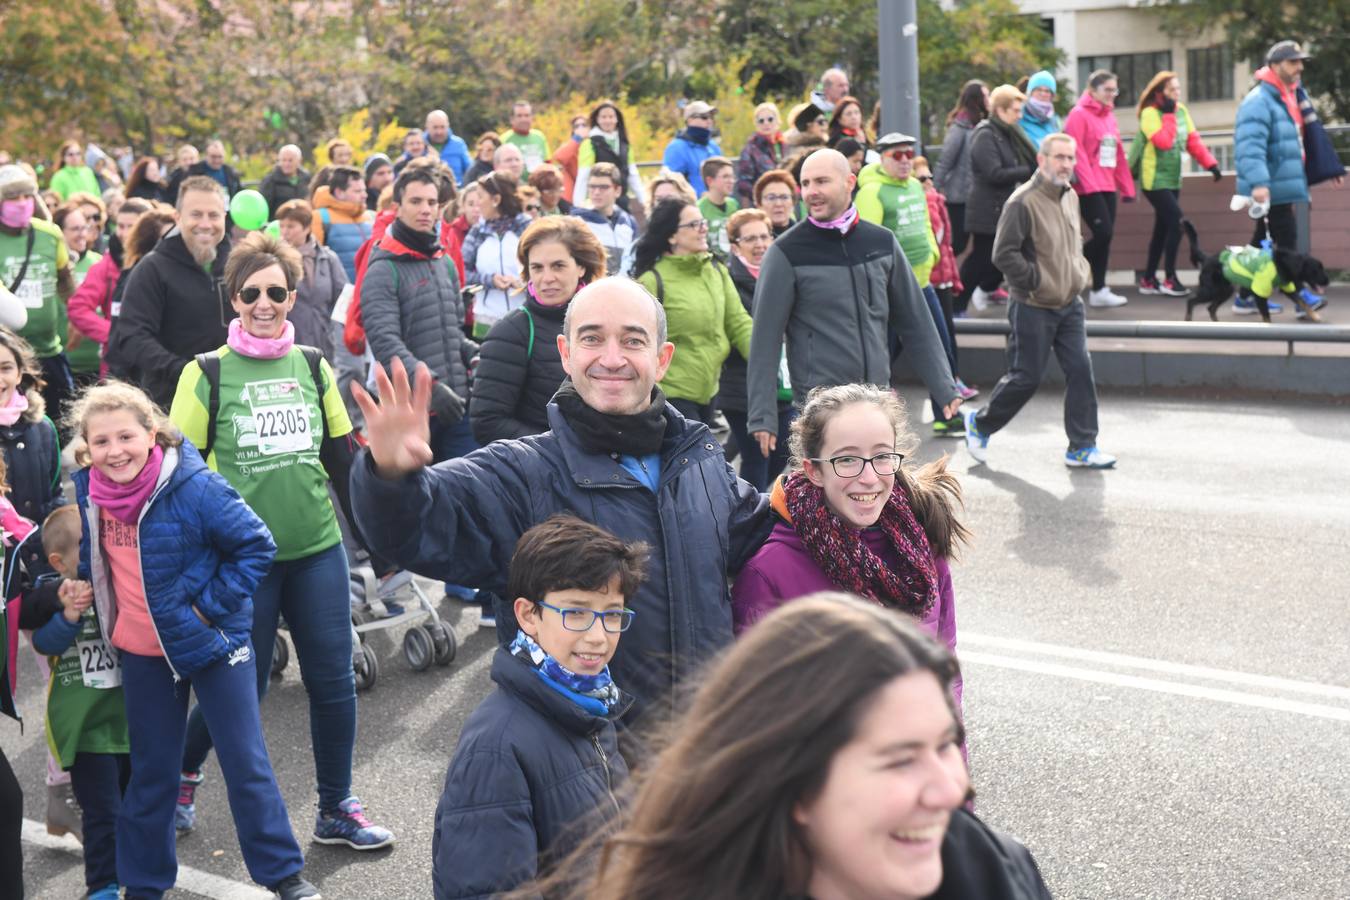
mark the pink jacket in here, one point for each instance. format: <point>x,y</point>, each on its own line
<point>1093,126</point>
<point>95,293</point>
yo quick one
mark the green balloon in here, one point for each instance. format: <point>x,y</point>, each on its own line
<point>273,228</point>
<point>248,209</point>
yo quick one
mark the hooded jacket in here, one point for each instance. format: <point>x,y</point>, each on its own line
<point>705,319</point>
<point>200,545</point>
<point>686,156</point>
<point>1039,245</point>
<point>411,307</point>
<point>519,371</point>
<point>901,208</point>
<point>459,521</point>
<point>760,154</point>
<point>1036,128</point>
<point>952,174</point>
<point>996,169</point>
<point>1268,142</point>
<point>1156,149</point>
<point>316,295</point>
<point>172,309</point>
<point>616,233</point>
<point>530,766</point>
<point>945,272</point>
<point>342,225</point>
<point>454,153</point>
<point>838,297</point>
<point>1101,167</point>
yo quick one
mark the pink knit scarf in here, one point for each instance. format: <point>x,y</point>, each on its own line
<point>245,344</point>
<point>17,405</point>
<point>841,224</point>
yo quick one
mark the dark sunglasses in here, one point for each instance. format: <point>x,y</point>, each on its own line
<point>276,293</point>
<point>534,207</point>
<point>901,153</point>
<point>925,177</point>
<point>764,120</point>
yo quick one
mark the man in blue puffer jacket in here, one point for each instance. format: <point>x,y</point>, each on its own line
<point>451,147</point>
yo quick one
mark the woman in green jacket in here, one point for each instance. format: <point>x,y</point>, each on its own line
<point>72,176</point>
<point>704,315</point>
<point>1165,127</point>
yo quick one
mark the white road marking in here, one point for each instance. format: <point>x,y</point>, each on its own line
<point>189,879</point>
<point>1229,676</point>
<point>1153,684</point>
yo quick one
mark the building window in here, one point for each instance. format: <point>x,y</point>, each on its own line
<point>1134,71</point>
<point>1209,74</point>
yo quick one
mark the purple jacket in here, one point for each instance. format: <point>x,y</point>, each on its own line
<point>783,570</point>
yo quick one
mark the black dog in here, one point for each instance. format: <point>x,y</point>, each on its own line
<point>1214,289</point>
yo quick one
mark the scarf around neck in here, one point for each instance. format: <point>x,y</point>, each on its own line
<point>841,224</point>
<point>1021,145</point>
<point>245,344</point>
<point>425,243</point>
<point>17,405</point>
<point>753,270</point>
<point>697,134</point>
<point>911,586</point>
<point>597,694</point>
<point>125,501</point>
<point>636,434</point>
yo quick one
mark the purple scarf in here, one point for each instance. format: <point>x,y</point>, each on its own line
<point>241,342</point>
<point>125,501</point>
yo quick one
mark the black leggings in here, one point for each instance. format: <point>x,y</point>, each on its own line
<point>978,269</point>
<point>1283,227</point>
<point>1099,214</point>
<point>1166,238</point>
<point>957,213</point>
<point>11,832</point>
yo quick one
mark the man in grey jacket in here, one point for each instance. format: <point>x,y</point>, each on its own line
<point>1039,249</point>
<point>412,309</point>
<point>838,288</point>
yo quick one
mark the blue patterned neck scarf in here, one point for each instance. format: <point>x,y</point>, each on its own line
<point>597,694</point>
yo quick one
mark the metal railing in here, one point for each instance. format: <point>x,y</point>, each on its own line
<point>1190,331</point>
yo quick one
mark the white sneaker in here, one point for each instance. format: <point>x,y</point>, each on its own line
<point>1104,298</point>
<point>979,298</point>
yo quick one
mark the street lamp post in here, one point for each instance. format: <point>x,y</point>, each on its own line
<point>898,51</point>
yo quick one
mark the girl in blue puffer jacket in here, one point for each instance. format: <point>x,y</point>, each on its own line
<point>174,555</point>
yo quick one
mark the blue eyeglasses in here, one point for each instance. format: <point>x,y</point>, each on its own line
<point>612,620</point>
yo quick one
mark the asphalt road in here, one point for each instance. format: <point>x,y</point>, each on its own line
<point>1154,657</point>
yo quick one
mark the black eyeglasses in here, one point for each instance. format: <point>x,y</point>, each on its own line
<point>574,619</point>
<point>275,292</point>
<point>850,466</point>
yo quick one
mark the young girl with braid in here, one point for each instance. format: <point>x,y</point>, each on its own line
<point>854,519</point>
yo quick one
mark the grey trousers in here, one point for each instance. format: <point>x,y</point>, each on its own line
<point>1035,332</point>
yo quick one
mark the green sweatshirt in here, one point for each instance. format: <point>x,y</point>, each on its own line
<point>46,312</point>
<point>901,207</point>
<point>704,319</point>
<point>74,179</point>
<point>533,146</point>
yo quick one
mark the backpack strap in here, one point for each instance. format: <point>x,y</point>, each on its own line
<point>660,287</point>
<point>209,363</point>
<point>314,356</point>
<point>529,348</point>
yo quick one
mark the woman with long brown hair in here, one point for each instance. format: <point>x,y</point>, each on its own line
<point>952,175</point>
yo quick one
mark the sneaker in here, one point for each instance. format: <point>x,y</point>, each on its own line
<point>1314,300</point>
<point>977,442</point>
<point>966,391</point>
<point>1148,285</point>
<point>980,299</point>
<point>348,825</point>
<point>1246,306</point>
<point>394,582</point>
<point>63,813</point>
<point>1105,298</point>
<point>953,428</point>
<point>185,813</point>
<point>107,892</point>
<point>1173,288</point>
<point>999,296</point>
<point>296,888</point>
<point>1089,458</point>
<point>487,618</point>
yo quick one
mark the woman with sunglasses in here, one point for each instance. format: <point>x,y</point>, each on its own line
<point>763,152</point>
<point>704,315</point>
<point>266,415</point>
<point>854,519</point>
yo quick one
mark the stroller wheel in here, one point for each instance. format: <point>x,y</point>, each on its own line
<point>281,655</point>
<point>443,641</point>
<point>418,648</point>
<point>366,669</point>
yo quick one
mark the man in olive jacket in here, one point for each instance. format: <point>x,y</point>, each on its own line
<point>1039,249</point>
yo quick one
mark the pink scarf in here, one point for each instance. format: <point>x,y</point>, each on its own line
<point>841,224</point>
<point>245,344</point>
<point>18,403</point>
<point>125,501</point>
<point>753,270</point>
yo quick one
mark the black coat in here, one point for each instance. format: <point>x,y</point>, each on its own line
<point>232,184</point>
<point>978,861</point>
<point>996,169</point>
<point>171,310</point>
<point>731,386</point>
<point>531,769</point>
<point>515,381</point>
<point>278,188</point>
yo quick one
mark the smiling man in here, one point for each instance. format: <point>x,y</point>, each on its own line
<point>616,454</point>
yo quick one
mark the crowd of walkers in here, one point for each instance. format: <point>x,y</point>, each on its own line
<point>502,367</point>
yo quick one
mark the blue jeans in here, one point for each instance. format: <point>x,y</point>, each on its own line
<point>157,707</point>
<point>756,468</point>
<point>311,592</point>
<point>98,780</point>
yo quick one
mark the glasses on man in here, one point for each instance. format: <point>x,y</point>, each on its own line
<point>696,225</point>
<point>275,292</point>
<point>850,466</point>
<point>900,153</point>
<point>614,621</point>
<point>776,198</point>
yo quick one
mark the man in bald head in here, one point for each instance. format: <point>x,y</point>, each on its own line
<point>448,145</point>
<point>837,288</point>
<point>287,181</point>
<point>616,455</point>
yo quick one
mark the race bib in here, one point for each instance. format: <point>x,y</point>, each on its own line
<point>1106,153</point>
<point>30,292</point>
<point>280,416</point>
<point>98,667</point>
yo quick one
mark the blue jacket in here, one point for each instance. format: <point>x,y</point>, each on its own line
<point>686,157</point>
<point>459,521</point>
<point>200,544</point>
<point>454,154</point>
<point>1268,150</point>
<point>1035,129</point>
<point>532,776</point>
